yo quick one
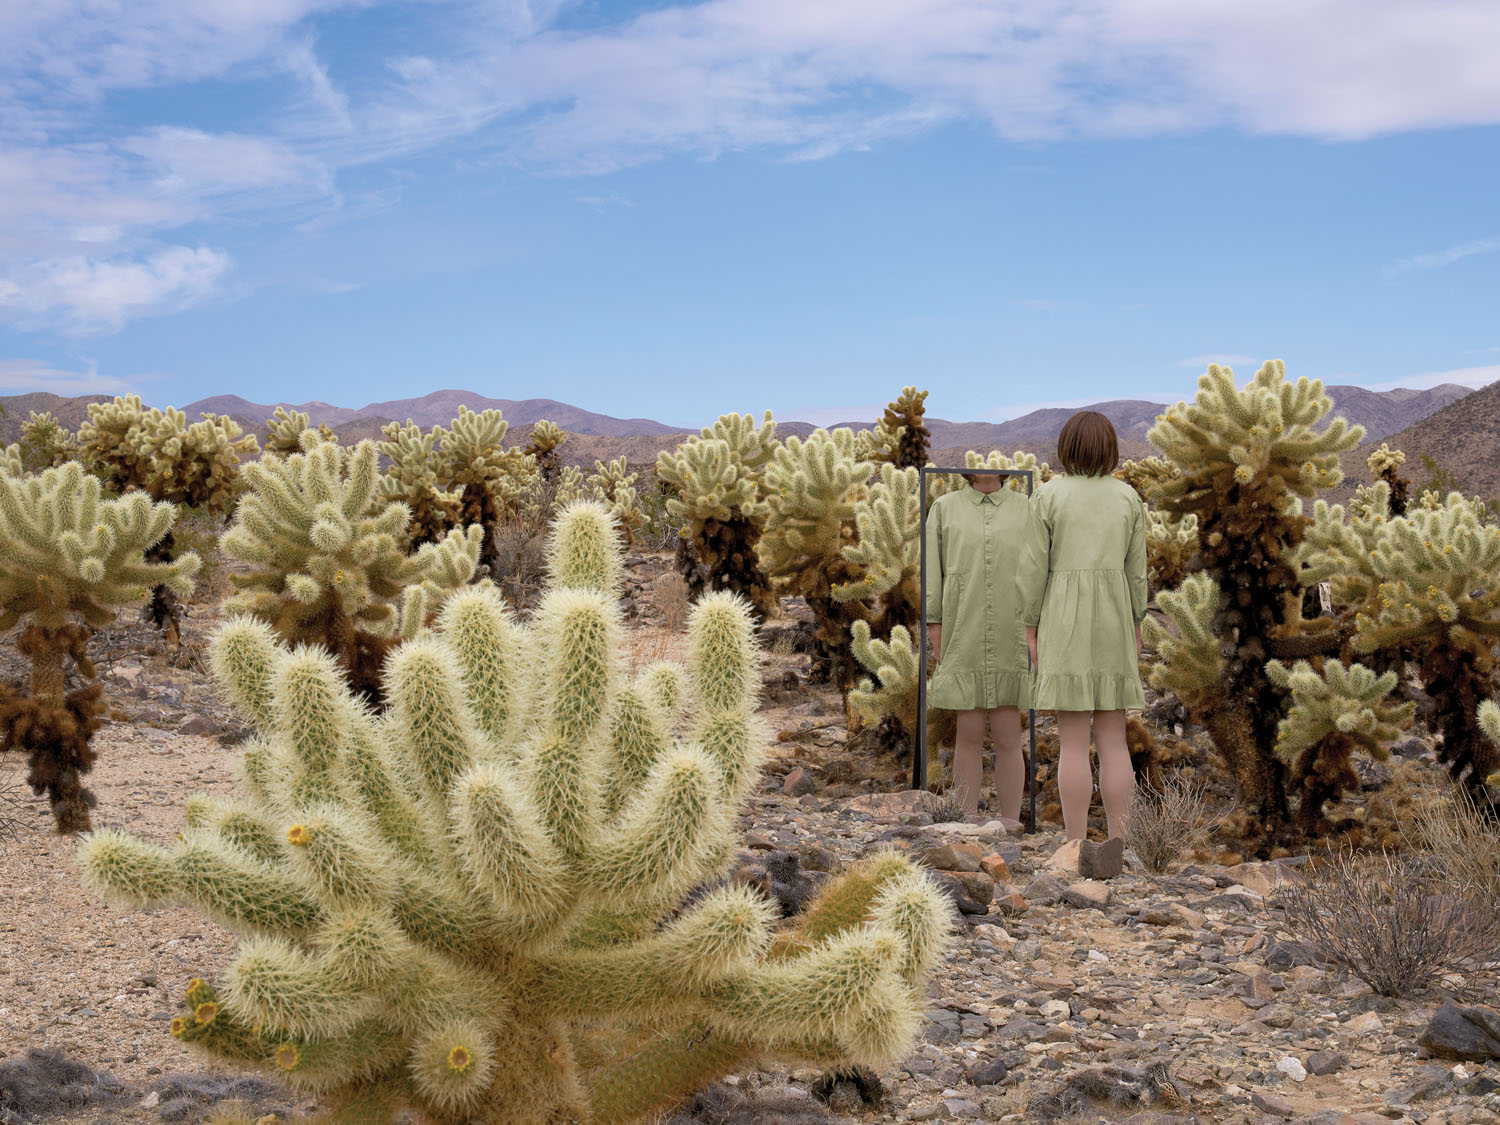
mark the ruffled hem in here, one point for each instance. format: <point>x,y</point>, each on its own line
<point>1100,691</point>
<point>965,691</point>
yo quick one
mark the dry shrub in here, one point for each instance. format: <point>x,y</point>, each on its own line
<point>1165,821</point>
<point>12,805</point>
<point>670,593</point>
<point>1391,919</point>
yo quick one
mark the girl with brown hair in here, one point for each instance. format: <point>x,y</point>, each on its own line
<point>1083,594</point>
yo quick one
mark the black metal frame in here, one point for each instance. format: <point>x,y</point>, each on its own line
<point>919,758</point>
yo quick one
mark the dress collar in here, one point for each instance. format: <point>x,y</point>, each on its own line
<point>977,497</point>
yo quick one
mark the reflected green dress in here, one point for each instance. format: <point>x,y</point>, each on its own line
<point>973,541</point>
<point>1082,583</point>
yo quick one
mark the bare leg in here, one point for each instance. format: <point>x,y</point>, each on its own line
<point>1075,777</point>
<point>968,759</point>
<point>1010,765</point>
<point>1116,777</point>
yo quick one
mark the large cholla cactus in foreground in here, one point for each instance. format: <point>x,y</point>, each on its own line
<point>71,560</point>
<point>329,559</point>
<point>481,904</point>
<point>719,480</point>
<point>1244,457</point>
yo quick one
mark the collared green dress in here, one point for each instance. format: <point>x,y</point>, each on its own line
<point>1082,583</point>
<point>973,542</point>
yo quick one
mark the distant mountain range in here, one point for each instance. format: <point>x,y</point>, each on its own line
<point>1401,412</point>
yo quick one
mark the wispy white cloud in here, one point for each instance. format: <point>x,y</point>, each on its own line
<point>600,202</point>
<point>22,376</point>
<point>93,295</point>
<point>1440,258</point>
<point>801,81</point>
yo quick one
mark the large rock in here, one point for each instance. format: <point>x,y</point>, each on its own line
<point>895,807</point>
<point>1455,1032</point>
<point>1064,861</point>
<point>1101,861</point>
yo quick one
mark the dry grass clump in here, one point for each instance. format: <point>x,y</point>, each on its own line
<point>670,593</point>
<point>1163,822</point>
<point>1394,920</point>
<point>1462,841</point>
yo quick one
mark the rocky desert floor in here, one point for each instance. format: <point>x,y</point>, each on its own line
<point>1147,998</point>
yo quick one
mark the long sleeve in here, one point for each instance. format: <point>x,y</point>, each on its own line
<point>1135,565</point>
<point>1036,562</point>
<point>935,564</point>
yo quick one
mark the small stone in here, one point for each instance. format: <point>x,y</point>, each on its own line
<point>1064,861</point>
<point>1292,1068</point>
<point>1456,1032</point>
<point>1366,1023</point>
<point>1056,1010</point>
<point>995,867</point>
<point>977,885</point>
<point>991,1073</point>
<point>1088,894</point>
<point>798,782</point>
<point>1101,861</point>
<point>1044,890</point>
<point>1012,903</point>
<point>1326,1062</point>
<point>952,857</point>
<point>1270,1103</point>
<point>151,1100</point>
<point>1284,955</point>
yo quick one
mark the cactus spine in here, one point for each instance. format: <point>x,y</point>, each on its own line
<point>473,905</point>
<point>72,559</point>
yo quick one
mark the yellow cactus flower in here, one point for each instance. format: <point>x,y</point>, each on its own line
<point>460,1058</point>
<point>298,836</point>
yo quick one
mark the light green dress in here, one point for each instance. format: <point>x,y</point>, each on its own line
<point>973,541</point>
<point>1082,583</point>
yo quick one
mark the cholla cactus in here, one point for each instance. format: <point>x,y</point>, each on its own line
<point>158,452</point>
<point>719,480</point>
<point>613,484</point>
<point>412,479</point>
<point>1170,547</point>
<point>546,438</point>
<point>478,905</point>
<point>903,419</point>
<point>893,703</point>
<point>1147,475</point>
<point>1385,464</point>
<point>1435,597</point>
<point>45,443</point>
<point>284,430</point>
<point>71,560</point>
<point>1244,458</point>
<point>329,559</point>
<point>1190,664</point>
<point>1334,714</point>
<point>490,476</point>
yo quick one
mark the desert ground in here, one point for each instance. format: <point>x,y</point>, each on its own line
<point>1164,998</point>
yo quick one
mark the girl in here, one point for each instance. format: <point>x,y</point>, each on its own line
<point>974,627</point>
<point>1082,588</point>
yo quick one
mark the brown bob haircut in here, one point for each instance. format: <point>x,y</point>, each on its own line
<point>1087,446</point>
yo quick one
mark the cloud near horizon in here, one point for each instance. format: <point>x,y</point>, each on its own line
<point>536,86</point>
<point>23,376</point>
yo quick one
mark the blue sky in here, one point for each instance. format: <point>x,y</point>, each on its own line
<point>674,210</point>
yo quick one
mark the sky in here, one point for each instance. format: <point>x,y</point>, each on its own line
<point>673,210</point>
